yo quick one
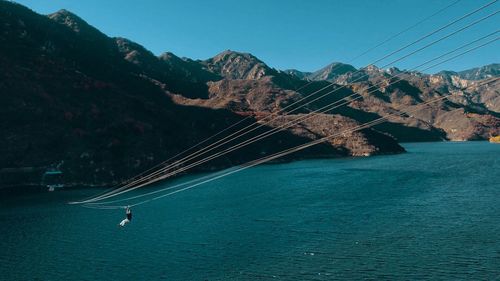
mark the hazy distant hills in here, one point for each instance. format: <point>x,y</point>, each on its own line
<point>478,73</point>
<point>334,70</point>
<point>106,108</point>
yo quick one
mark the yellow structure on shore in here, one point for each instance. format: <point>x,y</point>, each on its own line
<point>495,139</point>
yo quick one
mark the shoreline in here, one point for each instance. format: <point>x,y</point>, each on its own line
<point>33,187</point>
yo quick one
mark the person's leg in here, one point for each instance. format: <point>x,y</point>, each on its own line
<point>123,222</point>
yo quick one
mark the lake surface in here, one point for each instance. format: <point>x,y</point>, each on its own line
<point>432,213</point>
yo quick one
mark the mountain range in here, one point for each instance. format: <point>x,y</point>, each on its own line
<point>335,70</point>
<point>103,109</point>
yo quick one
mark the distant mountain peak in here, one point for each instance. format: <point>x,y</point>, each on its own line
<point>297,73</point>
<point>166,56</point>
<point>335,65</point>
<point>371,67</point>
<point>172,59</point>
<point>237,65</point>
<point>230,54</point>
<point>483,72</point>
<point>393,70</point>
<point>74,22</point>
<point>332,71</point>
<point>69,19</point>
<point>67,13</point>
<point>476,73</point>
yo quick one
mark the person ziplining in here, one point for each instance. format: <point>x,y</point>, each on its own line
<point>128,217</point>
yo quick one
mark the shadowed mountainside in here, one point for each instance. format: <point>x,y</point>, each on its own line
<point>103,109</point>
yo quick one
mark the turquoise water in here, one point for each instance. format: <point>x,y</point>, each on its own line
<point>432,213</point>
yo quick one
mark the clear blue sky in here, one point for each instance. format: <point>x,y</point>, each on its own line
<point>305,35</point>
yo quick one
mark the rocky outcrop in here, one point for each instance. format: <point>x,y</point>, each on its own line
<point>244,96</point>
<point>351,143</point>
<point>244,66</point>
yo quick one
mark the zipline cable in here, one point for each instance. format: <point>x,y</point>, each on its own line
<point>243,167</point>
<point>394,52</point>
<point>288,151</point>
<point>298,89</point>
<point>289,124</point>
<point>282,154</point>
<point>396,81</point>
<point>218,144</point>
<point>275,129</point>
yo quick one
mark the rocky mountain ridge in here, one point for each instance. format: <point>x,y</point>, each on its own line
<point>109,108</point>
<point>103,109</point>
<point>475,110</point>
<point>333,71</point>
